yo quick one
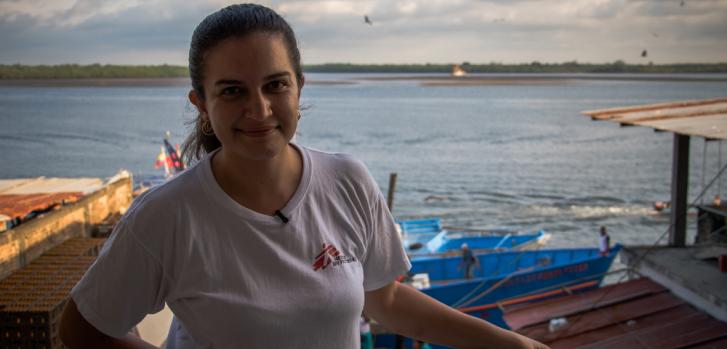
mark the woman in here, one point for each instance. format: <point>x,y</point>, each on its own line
<point>263,243</point>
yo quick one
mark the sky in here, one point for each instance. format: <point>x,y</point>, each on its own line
<point>402,31</point>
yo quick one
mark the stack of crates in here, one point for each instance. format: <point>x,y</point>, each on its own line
<point>104,229</point>
<point>32,298</point>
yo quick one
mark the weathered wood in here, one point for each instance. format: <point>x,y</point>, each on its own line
<point>392,189</point>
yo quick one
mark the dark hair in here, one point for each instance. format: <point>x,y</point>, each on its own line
<point>232,21</point>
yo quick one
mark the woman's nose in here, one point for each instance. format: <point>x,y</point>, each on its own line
<point>258,107</point>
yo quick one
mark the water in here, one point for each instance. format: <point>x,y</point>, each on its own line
<point>518,156</point>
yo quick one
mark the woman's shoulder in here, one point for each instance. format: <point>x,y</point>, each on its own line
<point>166,199</point>
<point>342,163</point>
<point>346,171</point>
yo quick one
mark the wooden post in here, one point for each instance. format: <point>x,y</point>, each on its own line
<point>398,339</point>
<point>392,189</point>
<point>679,185</point>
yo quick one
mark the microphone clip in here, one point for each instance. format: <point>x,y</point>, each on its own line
<point>281,216</point>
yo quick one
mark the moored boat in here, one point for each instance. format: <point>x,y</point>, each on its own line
<point>510,274</point>
<point>427,237</point>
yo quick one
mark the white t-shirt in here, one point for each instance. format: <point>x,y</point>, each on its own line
<point>238,278</point>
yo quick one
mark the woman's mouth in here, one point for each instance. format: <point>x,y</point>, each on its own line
<point>259,131</point>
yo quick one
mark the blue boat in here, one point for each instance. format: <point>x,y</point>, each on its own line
<point>507,275</point>
<point>510,274</point>
<point>426,237</point>
<point>447,242</point>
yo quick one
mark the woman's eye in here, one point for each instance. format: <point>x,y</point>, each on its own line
<point>277,85</point>
<point>230,91</point>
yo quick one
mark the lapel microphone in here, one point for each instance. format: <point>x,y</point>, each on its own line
<point>281,216</point>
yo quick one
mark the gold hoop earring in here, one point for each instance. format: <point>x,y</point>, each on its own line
<point>206,127</point>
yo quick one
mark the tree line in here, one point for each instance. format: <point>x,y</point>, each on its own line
<point>75,71</point>
<point>534,67</point>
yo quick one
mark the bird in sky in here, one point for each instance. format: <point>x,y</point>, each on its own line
<point>367,20</point>
<point>682,3</point>
<point>643,53</point>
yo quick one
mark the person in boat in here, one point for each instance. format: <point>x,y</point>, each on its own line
<point>469,261</point>
<point>661,205</point>
<point>604,242</point>
<point>262,243</point>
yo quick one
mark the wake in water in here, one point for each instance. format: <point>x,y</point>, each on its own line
<point>590,211</point>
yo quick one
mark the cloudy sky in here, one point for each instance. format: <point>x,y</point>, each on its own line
<point>403,31</point>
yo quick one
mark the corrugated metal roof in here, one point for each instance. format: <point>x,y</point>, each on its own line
<point>18,206</point>
<point>635,314</point>
<point>49,185</point>
<point>705,118</point>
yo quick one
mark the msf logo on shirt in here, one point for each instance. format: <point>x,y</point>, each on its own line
<point>330,255</point>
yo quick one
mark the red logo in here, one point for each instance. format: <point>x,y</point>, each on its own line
<point>326,256</point>
<point>330,254</point>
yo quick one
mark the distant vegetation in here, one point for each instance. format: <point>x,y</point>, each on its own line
<point>74,71</point>
<point>534,67</point>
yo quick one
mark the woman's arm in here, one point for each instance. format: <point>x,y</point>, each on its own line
<point>407,311</point>
<point>76,332</point>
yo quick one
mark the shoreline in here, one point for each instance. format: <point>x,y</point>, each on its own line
<point>422,79</point>
<point>127,82</point>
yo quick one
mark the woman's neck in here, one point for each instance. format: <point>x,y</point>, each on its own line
<point>263,186</point>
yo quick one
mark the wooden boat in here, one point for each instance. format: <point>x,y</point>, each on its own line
<point>526,276</point>
<point>426,237</point>
<point>506,275</point>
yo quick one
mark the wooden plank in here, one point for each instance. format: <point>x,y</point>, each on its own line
<point>599,113</point>
<point>618,329</point>
<point>676,333</point>
<point>666,114</point>
<point>718,343</point>
<point>605,317</point>
<point>713,126</point>
<point>683,332</point>
<point>540,312</point>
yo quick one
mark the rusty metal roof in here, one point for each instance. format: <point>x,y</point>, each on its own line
<point>49,185</point>
<point>18,206</point>
<point>705,118</point>
<point>20,197</point>
<point>635,314</point>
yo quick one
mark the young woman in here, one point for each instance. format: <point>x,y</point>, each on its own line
<point>263,243</point>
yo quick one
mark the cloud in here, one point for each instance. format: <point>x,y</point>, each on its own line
<point>64,13</point>
<point>403,31</point>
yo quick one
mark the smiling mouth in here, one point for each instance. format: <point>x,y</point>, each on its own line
<point>257,131</point>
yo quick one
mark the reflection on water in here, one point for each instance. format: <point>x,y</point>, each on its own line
<point>506,156</point>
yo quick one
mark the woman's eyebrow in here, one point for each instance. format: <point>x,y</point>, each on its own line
<point>227,82</point>
<point>284,74</point>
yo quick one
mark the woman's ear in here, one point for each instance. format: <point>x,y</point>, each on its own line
<point>300,84</point>
<point>198,102</point>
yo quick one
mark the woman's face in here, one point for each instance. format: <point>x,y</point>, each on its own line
<point>251,95</point>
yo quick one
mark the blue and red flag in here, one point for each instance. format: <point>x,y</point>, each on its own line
<point>173,157</point>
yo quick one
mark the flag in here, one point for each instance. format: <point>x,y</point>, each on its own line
<point>163,161</point>
<point>172,156</point>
